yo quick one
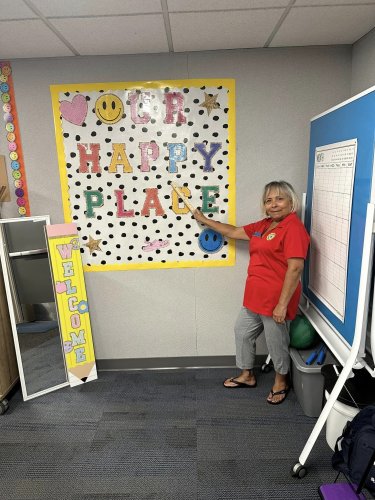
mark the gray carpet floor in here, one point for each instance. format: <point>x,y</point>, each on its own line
<point>158,435</point>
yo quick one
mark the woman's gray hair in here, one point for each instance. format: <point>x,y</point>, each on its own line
<point>284,188</point>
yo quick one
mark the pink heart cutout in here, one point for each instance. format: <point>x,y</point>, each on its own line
<point>60,287</point>
<point>74,112</point>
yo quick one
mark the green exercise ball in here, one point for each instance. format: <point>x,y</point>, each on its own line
<point>302,333</point>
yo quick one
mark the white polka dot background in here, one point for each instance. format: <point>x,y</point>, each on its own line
<point>121,146</point>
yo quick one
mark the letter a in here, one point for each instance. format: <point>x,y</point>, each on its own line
<point>152,202</point>
<point>119,157</point>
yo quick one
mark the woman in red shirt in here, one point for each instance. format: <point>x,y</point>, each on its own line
<point>278,246</point>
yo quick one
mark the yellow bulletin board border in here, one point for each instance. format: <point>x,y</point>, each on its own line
<point>86,87</point>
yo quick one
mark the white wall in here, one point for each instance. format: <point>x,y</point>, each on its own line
<point>363,64</point>
<point>185,312</point>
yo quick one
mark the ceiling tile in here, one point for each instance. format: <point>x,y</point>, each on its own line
<point>332,2</point>
<point>325,25</point>
<point>198,5</point>
<point>74,8</point>
<point>20,39</point>
<point>222,30</point>
<point>114,35</point>
<point>15,9</point>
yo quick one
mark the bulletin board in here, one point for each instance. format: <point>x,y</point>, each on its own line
<point>121,145</point>
<point>340,187</point>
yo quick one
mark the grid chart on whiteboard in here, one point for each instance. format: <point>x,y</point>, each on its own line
<point>330,223</point>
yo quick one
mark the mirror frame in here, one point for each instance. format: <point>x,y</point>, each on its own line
<point>12,312</point>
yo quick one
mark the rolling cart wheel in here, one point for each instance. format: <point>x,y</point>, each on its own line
<point>266,368</point>
<point>298,471</point>
<point>3,406</point>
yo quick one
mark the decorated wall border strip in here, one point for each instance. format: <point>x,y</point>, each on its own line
<point>13,136</point>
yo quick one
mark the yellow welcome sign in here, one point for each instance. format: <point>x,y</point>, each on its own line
<point>71,299</point>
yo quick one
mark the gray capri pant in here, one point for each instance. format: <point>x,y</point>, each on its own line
<point>247,329</point>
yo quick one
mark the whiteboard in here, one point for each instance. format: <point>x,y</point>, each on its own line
<point>332,196</point>
<point>346,134</point>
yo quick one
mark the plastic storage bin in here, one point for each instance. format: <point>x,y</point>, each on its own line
<point>358,392</point>
<point>308,382</point>
<point>337,419</point>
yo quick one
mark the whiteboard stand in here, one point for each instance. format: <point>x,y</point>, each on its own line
<point>356,353</point>
<point>372,332</point>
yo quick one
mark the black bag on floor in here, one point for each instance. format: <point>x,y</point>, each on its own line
<point>354,449</point>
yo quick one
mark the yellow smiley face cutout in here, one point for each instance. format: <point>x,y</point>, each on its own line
<point>271,236</point>
<point>109,108</point>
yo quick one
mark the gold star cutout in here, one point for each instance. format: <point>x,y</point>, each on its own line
<point>209,102</point>
<point>93,245</point>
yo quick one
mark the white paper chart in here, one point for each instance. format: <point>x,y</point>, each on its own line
<point>334,170</point>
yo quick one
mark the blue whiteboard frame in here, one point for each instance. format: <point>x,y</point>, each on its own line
<point>353,119</point>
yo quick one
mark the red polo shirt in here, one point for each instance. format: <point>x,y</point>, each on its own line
<point>269,254</point>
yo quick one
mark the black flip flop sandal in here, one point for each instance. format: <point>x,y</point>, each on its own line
<point>277,393</point>
<point>239,385</point>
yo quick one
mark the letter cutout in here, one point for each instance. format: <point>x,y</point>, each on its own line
<point>65,250</point>
<point>148,150</point>
<point>75,320</point>
<point>175,201</point>
<point>214,148</point>
<point>93,199</point>
<point>119,157</point>
<point>209,200</point>
<point>177,152</point>
<point>145,99</point>
<point>80,354</point>
<point>72,304</point>
<point>174,102</point>
<point>85,158</point>
<point>152,202</point>
<point>69,288</point>
<point>119,193</point>
<point>68,268</point>
<point>78,339</point>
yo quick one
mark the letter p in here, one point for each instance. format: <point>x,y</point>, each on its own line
<point>93,199</point>
<point>177,152</point>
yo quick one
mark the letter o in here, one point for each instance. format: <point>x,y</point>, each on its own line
<point>75,320</point>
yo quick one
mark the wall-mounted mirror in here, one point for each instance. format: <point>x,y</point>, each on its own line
<point>32,308</point>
